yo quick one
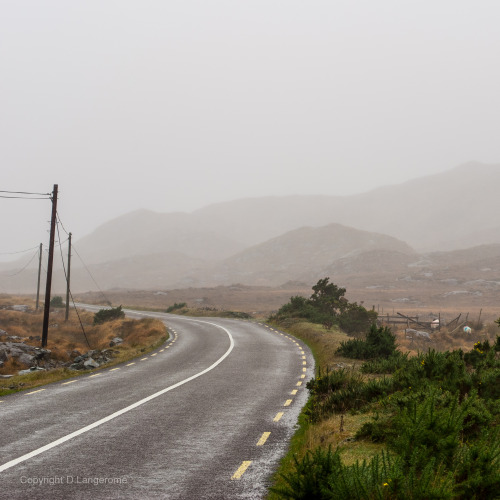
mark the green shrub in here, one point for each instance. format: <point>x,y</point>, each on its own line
<point>431,456</point>
<point>176,306</point>
<point>56,302</point>
<point>110,314</point>
<point>327,306</point>
<point>310,478</point>
<point>343,390</point>
<point>356,319</point>
<point>385,365</point>
<point>321,475</point>
<point>379,343</point>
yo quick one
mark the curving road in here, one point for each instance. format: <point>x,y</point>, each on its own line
<point>207,415</point>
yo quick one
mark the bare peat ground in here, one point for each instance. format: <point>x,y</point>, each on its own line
<point>423,298</point>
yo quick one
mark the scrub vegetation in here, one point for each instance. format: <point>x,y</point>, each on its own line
<point>384,422</point>
<point>66,339</point>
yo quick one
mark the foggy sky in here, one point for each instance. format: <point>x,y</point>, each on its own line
<point>173,105</point>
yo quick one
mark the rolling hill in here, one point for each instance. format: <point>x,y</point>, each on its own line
<point>391,233</point>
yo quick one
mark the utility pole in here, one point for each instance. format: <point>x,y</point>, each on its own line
<point>38,284</point>
<point>68,278</point>
<point>45,329</point>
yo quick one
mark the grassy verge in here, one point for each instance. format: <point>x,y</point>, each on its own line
<point>36,379</point>
<point>139,337</point>
<point>421,426</point>
<point>338,430</point>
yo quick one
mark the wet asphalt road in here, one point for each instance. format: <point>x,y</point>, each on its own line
<point>206,416</point>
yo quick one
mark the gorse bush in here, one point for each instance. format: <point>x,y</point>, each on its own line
<point>110,314</point>
<point>379,343</point>
<point>437,414</point>
<point>176,306</point>
<point>338,391</point>
<point>385,365</point>
<point>57,301</point>
<point>321,475</point>
<point>438,447</point>
<point>356,319</point>
<point>327,306</point>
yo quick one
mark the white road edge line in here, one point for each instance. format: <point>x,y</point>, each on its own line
<point>87,428</point>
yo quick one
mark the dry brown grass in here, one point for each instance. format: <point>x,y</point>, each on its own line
<point>444,340</point>
<point>339,430</point>
<point>139,336</point>
<point>323,343</point>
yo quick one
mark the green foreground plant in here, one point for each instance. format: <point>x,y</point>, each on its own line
<point>436,413</point>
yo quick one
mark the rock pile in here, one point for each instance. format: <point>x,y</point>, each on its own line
<point>92,359</point>
<point>25,354</point>
<point>36,358</point>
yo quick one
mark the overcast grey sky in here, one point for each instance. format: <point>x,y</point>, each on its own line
<point>173,105</point>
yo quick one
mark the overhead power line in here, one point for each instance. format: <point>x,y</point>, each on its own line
<point>70,293</point>
<point>24,197</point>
<point>20,251</point>
<point>90,274</point>
<point>62,225</point>
<point>21,270</point>
<point>25,192</point>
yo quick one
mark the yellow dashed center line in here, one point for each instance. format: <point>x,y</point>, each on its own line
<point>302,376</point>
<point>161,350</point>
<point>241,469</point>
<point>70,382</point>
<point>34,392</point>
<point>304,369</point>
<point>278,416</point>
<point>299,383</point>
<point>97,374</point>
<point>130,364</point>
<point>154,354</point>
<point>113,369</point>
<point>303,357</point>
<point>294,392</point>
<point>288,402</point>
<point>144,359</point>
<point>263,438</point>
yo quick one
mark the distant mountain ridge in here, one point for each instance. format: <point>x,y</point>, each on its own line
<point>447,211</point>
<point>271,240</point>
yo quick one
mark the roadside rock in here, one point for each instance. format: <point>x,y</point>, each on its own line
<point>31,370</point>
<point>92,359</point>
<point>90,363</point>
<point>26,354</point>
<point>21,308</point>
<point>25,358</point>
<point>115,341</point>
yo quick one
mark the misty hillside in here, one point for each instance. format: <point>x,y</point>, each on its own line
<point>145,232</point>
<point>269,241</point>
<point>452,210</point>
<point>448,211</point>
<point>303,254</point>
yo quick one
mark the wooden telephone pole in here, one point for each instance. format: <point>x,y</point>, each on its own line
<point>45,329</point>
<point>68,278</point>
